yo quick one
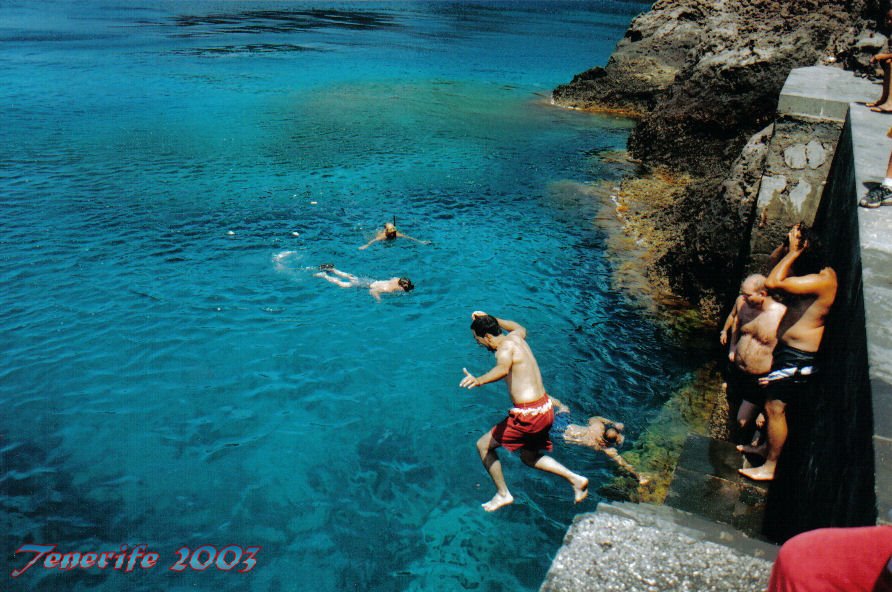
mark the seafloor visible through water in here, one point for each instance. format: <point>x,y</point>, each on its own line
<point>172,173</point>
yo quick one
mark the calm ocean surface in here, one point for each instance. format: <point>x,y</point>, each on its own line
<point>172,374</point>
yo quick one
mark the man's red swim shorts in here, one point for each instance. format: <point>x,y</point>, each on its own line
<point>526,426</point>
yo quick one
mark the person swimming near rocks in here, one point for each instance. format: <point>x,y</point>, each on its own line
<point>599,434</point>
<point>375,287</point>
<point>390,232</point>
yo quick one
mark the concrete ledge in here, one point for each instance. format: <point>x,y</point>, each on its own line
<point>823,92</point>
<point>871,149</point>
<point>631,547</point>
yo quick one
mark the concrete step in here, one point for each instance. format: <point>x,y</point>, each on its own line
<point>706,483</point>
<point>632,547</point>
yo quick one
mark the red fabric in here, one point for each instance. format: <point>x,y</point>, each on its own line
<point>519,430</point>
<point>834,560</point>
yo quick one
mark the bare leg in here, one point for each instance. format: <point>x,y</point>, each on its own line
<point>746,413</point>
<point>486,446</point>
<point>777,437</point>
<point>549,465</point>
<point>885,64</point>
<point>347,276</point>
<point>335,281</point>
<point>884,105</point>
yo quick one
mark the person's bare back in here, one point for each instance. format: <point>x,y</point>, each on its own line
<point>525,379</point>
<point>811,310</point>
<point>816,293</point>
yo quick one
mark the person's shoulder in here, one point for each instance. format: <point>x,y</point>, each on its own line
<point>776,306</point>
<point>515,337</point>
<point>512,339</point>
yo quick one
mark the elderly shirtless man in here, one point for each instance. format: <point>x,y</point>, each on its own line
<point>529,419</point>
<point>753,338</point>
<point>812,294</point>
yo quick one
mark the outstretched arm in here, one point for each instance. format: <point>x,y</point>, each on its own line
<point>618,459</point>
<point>503,366</point>
<point>378,236</point>
<point>401,235</point>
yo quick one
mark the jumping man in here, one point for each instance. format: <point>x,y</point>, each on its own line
<point>526,427</point>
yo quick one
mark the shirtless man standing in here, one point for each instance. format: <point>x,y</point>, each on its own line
<point>526,427</point>
<point>753,337</point>
<point>794,360</point>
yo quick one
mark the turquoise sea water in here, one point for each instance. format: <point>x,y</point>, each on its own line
<point>172,372</point>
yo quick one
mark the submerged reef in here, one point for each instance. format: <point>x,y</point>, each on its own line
<point>704,79</point>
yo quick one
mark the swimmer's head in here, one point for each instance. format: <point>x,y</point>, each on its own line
<point>390,230</point>
<point>406,284</point>
<point>613,437</point>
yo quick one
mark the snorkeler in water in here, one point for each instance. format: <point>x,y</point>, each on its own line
<point>390,232</point>
<point>375,287</point>
<point>600,434</point>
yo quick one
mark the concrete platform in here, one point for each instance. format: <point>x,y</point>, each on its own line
<point>823,93</point>
<point>629,547</point>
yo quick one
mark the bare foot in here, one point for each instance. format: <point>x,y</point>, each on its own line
<point>498,501</point>
<point>580,488</point>
<point>763,473</point>
<point>748,449</point>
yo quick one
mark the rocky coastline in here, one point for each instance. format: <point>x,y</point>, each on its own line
<point>703,79</point>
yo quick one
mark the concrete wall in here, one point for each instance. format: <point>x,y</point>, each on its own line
<point>835,469</point>
<point>793,180</point>
<point>826,473</point>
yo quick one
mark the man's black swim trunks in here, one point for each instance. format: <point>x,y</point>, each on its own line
<point>790,373</point>
<point>745,387</point>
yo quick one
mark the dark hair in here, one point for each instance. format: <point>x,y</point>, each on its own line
<point>613,437</point>
<point>406,284</point>
<point>485,325</point>
<point>811,259</point>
